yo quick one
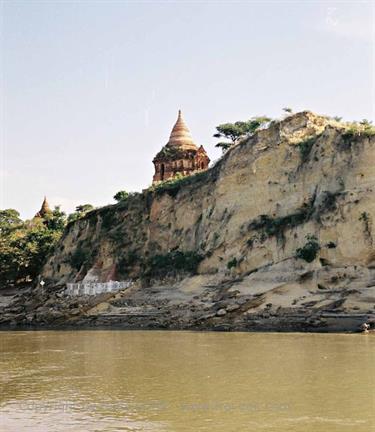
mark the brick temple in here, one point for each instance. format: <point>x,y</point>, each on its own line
<point>180,156</point>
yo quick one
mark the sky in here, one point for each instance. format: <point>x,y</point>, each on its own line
<point>91,89</point>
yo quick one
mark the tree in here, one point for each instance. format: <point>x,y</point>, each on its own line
<point>237,130</point>
<point>56,220</point>
<point>9,219</point>
<point>121,196</point>
<point>81,211</point>
<point>25,246</point>
<point>366,123</point>
<point>288,110</point>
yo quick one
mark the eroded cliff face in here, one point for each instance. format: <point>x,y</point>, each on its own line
<point>305,180</point>
<point>242,209</point>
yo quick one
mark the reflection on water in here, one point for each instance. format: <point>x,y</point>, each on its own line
<point>185,381</point>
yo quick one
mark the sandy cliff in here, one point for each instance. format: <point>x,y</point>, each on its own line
<point>277,235</point>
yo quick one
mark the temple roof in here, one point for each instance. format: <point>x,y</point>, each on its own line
<point>45,209</point>
<point>180,136</point>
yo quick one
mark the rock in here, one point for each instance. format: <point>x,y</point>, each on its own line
<point>221,312</point>
<point>30,317</point>
<point>75,311</point>
<point>232,307</point>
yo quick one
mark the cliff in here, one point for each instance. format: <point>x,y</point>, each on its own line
<point>277,235</point>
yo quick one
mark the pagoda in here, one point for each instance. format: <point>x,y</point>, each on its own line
<point>180,156</point>
<point>44,210</point>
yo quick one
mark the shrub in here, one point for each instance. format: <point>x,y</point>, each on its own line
<point>80,256</point>
<point>305,147</point>
<point>364,217</point>
<point>173,186</point>
<point>310,251</point>
<point>232,263</point>
<point>355,130</point>
<point>276,226</point>
<point>331,245</point>
<point>173,262</point>
<point>108,218</point>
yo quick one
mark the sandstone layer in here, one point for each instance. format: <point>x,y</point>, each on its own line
<point>278,235</point>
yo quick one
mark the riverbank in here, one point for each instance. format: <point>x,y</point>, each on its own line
<point>189,304</point>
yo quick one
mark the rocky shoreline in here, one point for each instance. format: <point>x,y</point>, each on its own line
<point>168,307</point>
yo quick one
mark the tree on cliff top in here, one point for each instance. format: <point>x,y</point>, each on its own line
<point>121,196</point>
<point>240,129</point>
<point>81,211</point>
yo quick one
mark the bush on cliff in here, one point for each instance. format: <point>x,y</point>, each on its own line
<point>310,250</point>
<point>173,262</point>
<point>173,186</point>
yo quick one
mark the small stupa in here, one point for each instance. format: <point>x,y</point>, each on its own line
<point>180,156</point>
<point>44,210</point>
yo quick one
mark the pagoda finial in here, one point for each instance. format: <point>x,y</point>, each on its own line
<point>44,210</point>
<point>180,135</point>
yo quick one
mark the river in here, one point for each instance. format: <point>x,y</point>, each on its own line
<point>186,381</point>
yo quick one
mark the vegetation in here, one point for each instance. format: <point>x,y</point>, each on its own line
<point>305,147</point>
<point>25,245</point>
<point>276,226</point>
<point>364,217</point>
<point>80,212</point>
<point>310,250</point>
<point>172,262</point>
<point>232,263</point>
<point>168,152</point>
<point>9,219</point>
<point>288,110</point>
<point>128,259</point>
<point>108,218</point>
<point>234,131</point>
<point>80,256</point>
<point>174,185</point>
<point>358,129</point>
<point>121,196</point>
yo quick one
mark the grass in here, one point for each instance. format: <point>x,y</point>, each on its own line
<point>173,186</point>
<point>357,130</point>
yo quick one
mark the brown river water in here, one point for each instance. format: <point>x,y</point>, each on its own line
<point>186,381</point>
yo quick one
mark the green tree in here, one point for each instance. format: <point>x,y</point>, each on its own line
<point>9,219</point>
<point>56,220</point>
<point>81,211</point>
<point>366,123</point>
<point>288,110</point>
<point>121,196</point>
<point>234,131</point>
<point>25,246</point>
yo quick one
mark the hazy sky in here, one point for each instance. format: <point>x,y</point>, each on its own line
<point>90,89</point>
